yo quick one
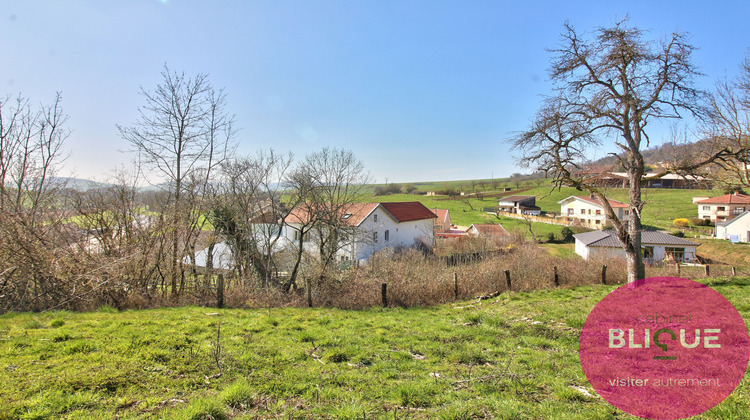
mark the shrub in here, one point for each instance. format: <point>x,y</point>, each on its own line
<point>678,234</point>
<point>697,221</point>
<point>681,222</point>
<point>566,234</point>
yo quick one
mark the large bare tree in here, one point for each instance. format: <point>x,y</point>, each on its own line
<point>182,134</point>
<point>609,88</point>
<point>325,184</point>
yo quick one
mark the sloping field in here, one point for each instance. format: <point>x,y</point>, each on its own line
<point>510,357</point>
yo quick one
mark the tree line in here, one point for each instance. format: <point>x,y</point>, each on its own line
<point>63,248</point>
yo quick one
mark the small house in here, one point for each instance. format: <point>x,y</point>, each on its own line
<point>735,230</point>
<point>589,211</point>
<point>657,246</point>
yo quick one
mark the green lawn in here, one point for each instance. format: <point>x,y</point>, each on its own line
<point>512,357</point>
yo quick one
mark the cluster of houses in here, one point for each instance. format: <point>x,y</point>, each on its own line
<point>729,212</point>
<point>375,226</point>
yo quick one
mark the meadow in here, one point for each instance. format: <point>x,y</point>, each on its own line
<point>509,357</point>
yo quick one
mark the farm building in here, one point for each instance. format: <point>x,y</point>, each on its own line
<point>520,204</point>
<point>657,246</point>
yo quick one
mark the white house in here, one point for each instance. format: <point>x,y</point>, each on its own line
<point>722,208</point>
<point>520,204</point>
<point>375,226</point>
<point>657,246</point>
<point>590,211</point>
<point>735,230</point>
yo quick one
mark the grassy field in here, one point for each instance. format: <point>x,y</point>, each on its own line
<point>512,357</point>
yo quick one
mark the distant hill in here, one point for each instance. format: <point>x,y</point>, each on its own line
<point>78,184</point>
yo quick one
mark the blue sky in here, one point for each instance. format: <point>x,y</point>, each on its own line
<point>418,90</point>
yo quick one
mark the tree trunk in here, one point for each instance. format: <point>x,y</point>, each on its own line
<point>633,251</point>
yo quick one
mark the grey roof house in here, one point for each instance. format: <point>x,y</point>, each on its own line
<point>657,246</point>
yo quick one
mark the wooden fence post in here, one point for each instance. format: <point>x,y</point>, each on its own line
<point>734,271</point>
<point>455,285</point>
<point>708,270</point>
<point>677,265</point>
<point>384,294</point>
<point>557,277</point>
<point>220,291</point>
<point>507,279</point>
<point>604,274</point>
<point>308,290</point>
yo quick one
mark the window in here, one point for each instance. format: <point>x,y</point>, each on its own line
<point>583,211</point>
<point>676,254</point>
<point>738,210</point>
<point>571,212</point>
<point>598,222</point>
<point>375,218</point>
<point>375,237</point>
<point>707,208</point>
<point>627,212</point>
<point>722,208</point>
<point>648,252</point>
<point>346,216</point>
<point>598,212</point>
<point>589,211</point>
<point>387,235</point>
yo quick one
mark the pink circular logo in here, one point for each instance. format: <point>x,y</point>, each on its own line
<point>664,348</point>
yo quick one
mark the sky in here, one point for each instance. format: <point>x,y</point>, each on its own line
<point>418,90</point>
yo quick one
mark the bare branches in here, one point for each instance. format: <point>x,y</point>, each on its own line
<point>608,89</point>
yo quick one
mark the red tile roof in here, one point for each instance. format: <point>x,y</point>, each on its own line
<point>490,230</point>
<point>356,213</point>
<point>442,215</point>
<point>408,211</point>
<point>735,198</point>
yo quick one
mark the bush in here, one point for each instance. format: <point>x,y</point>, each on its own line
<point>697,221</point>
<point>678,234</point>
<point>566,234</point>
<point>681,222</point>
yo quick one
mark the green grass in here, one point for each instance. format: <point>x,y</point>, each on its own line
<point>315,363</point>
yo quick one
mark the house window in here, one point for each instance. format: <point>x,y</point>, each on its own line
<point>706,208</point>
<point>375,218</point>
<point>583,211</point>
<point>627,212</point>
<point>598,212</point>
<point>721,208</point>
<point>387,235</point>
<point>598,222</point>
<point>589,211</point>
<point>571,212</point>
<point>375,237</point>
<point>676,254</point>
<point>738,210</point>
<point>648,252</point>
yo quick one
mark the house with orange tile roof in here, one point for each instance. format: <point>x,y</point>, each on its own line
<point>489,231</point>
<point>722,208</point>
<point>442,220</point>
<point>371,228</point>
<point>589,211</point>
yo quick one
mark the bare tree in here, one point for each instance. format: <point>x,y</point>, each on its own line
<point>609,88</point>
<point>252,202</point>
<point>326,183</point>
<point>726,146</point>
<point>183,133</point>
<point>33,238</point>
